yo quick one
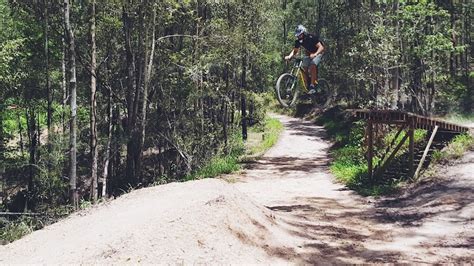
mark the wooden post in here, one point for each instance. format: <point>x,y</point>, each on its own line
<point>370,135</point>
<point>411,135</point>
<point>427,149</point>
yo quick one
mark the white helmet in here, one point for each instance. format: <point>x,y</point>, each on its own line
<point>299,30</point>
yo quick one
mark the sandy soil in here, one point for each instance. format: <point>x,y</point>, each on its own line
<point>284,208</point>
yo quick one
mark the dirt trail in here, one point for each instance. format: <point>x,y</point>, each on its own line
<point>285,208</point>
<point>429,223</point>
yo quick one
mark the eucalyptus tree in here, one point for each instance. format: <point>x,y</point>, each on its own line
<point>93,102</point>
<point>73,193</point>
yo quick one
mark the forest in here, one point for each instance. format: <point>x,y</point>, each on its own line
<point>100,97</point>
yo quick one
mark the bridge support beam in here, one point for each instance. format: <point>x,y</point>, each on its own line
<point>383,165</point>
<point>425,153</point>
<point>411,147</point>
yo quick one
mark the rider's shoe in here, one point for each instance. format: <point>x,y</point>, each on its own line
<point>312,89</point>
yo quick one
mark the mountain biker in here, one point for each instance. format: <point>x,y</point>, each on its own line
<point>314,52</point>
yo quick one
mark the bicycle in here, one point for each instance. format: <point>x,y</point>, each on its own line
<point>287,91</point>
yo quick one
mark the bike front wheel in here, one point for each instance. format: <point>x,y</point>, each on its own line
<point>286,90</point>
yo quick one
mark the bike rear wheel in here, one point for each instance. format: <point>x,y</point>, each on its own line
<point>323,95</point>
<point>287,90</point>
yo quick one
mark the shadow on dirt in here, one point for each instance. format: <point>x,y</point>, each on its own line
<point>288,164</point>
<point>307,128</point>
<point>425,201</point>
<point>317,163</point>
<point>333,232</point>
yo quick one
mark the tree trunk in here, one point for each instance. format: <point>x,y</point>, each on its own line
<point>243,104</point>
<point>116,148</point>
<point>38,134</point>
<point>467,24</point>
<point>33,139</point>
<point>142,65</point>
<point>416,85</point>
<point>64,85</point>
<point>132,132</point>
<point>2,153</point>
<point>46,70</point>
<point>396,71</point>
<point>285,25</point>
<point>232,109</point>
<point>105,173</point>
<point>224,123</point>
<point>148,72</point>
<point>20,129</point>
<point>452,56</point>
<point>73,193</point>
<point>93,106</point>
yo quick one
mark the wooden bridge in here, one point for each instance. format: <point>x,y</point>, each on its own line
<point>408,122</point>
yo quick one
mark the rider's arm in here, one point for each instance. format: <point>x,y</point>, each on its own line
<point>293,53</point>
<point>320,50</point>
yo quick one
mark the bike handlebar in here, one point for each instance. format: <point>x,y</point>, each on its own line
<point>296,58</point>
<point>296,61</point>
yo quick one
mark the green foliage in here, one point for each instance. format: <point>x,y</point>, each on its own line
<point>11,231</point>
<point>217,166</point>
<point>225,163</point>
<point>10,52</point>
<point>419,135</point>
<point>350,173</point>
<point>349,163</point>
<point>339,124</point>
<point>455,149</point>
<point>84,204</point>
<point>222,162</point>
<point>271,131</point>
<point>349,154</point>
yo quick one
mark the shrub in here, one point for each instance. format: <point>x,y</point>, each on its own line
<point>11,231</point>
<point>455,149</point>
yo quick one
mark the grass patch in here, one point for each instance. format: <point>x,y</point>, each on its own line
<point>11,231</point>
<point>16,227</point>
<point>349,164</point>
<point>217,166</point>
<point>261,138</point>
<point>224,162</point>
<point>455,149</point>
<point>348,172</point>
<point>268,134</point>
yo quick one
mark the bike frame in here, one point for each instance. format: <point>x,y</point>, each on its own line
<point>299,73</point>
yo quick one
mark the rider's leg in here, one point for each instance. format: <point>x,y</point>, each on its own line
<point>313,67</point>
<point>306,77</point>
<point>314,74</point>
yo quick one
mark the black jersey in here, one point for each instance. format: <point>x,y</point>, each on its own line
<point>308,42</point>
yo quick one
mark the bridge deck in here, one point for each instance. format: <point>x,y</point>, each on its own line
<point>409,122</point>
<point>398,117</point>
